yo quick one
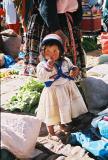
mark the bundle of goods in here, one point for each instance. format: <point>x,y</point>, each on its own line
<point>91,21</point>
<point>104,42</point>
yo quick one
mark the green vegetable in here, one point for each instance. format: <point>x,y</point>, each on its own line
<point>90,44</point>
<point>27,98</point>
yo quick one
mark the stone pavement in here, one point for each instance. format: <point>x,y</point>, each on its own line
<point>9,87</point>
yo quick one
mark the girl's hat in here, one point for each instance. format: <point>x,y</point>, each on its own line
<point>52,39</point>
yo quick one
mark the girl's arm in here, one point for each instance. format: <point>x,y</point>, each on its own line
<point>69,63</point>
<point>44,72</point>
<point>73,70</point>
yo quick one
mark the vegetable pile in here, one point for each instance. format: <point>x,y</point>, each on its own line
<point>8,73</point>
<point>27,98</point>
<point>90,44</point>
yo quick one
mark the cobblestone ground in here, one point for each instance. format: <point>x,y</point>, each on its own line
<point>10,86</point>
<point>92,58</point>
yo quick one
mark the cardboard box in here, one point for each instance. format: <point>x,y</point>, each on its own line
<point>91,23</point>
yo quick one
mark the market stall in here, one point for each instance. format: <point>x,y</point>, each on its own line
<point>91,21</point>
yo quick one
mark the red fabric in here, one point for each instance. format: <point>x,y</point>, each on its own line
<point>15,27</point>
<point>23,14</point>
<point>1,12</point>
<point>72,43</point>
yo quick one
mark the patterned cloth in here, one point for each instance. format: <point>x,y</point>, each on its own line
<point>34,35</point>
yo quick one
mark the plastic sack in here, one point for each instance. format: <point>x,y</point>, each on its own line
<point>104,42</point>
<point>19,134</point>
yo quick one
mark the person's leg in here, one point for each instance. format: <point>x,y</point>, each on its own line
<point>51,130</point>
<point>34,51</point>
<point>32,39</point>
<point>80,54</point>
<point>31,47</point>
<point>52,134</point>
<point>81,62</point>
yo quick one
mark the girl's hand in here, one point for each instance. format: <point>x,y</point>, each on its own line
<point>74,72</point>
<point>50,63</point>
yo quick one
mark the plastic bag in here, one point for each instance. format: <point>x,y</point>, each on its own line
<point>104,42</point>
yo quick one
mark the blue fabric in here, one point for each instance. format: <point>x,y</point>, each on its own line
<point>59,74</point>
<point>93,139</point>
<point>92,2</point>
<point>98,148</point>
<point>8,61</point>
<point>21,55</point>
<point>105,16</point>
<point>103,128</point>
<point>101,124</point>
<point>78,138</point>
<point>96,120</point>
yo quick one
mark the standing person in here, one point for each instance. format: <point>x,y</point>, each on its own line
<point>60,100</point>
<point>11,15</point>
<point>23,8</point>
<point>63,18</point>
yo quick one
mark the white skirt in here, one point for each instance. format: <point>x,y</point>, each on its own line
<point>60,103</point>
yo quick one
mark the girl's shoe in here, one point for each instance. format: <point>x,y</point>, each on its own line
<point>65,128</point>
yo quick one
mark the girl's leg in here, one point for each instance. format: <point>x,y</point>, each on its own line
<point>52,135</point>
<point>51,130</point>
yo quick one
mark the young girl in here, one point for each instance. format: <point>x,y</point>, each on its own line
<point>60,100</point>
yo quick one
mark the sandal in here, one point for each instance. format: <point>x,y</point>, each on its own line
<point>65,128</point>
<point>60,133</point>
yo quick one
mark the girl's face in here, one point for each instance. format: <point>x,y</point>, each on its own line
<point>52,52</point>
